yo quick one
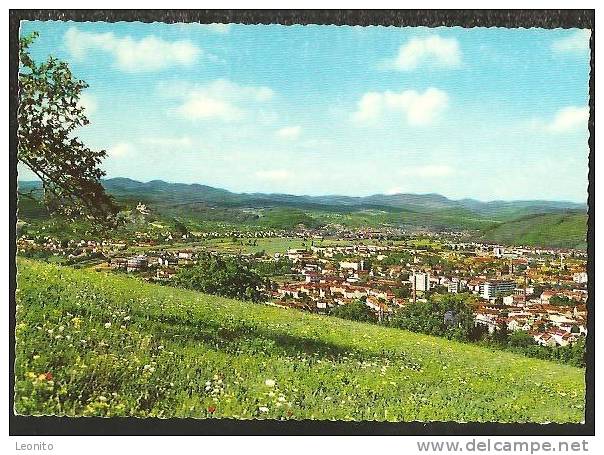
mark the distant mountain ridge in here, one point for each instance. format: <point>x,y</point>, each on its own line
<point>160,191</point>
<point>533,222</point>
<point>197,193</point>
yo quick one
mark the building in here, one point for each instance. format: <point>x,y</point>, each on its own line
<point>421,281</point>
<point>137,263</point>
<point>455,285</point>
<point>356,266</point>
<point>580,277</point>
<point>493,288</point>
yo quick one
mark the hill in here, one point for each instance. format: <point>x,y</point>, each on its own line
<point>89,343</point>
<point>563,230</point>
<point>200,206</point>
<point>160,191</point>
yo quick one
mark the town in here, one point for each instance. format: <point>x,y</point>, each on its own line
<point>540,291</point>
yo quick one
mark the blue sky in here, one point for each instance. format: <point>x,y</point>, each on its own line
<point>481,113</point>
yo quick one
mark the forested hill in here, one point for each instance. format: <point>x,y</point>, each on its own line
<point>532,222</point>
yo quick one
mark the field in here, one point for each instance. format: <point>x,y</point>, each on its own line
<point>90,343</point>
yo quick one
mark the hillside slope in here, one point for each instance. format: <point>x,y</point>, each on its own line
<point>564,230</point>
<point>95,344</point>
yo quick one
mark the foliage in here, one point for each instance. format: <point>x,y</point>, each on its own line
<point>355,311</point>
<point>518,342</point>
<point>49,114</point>
<point>520,339</point>
<point>501,334</point>
<point>429,316</point>
<point>561,300</point>
<point>402,292</point>
<point>397,258</point>
<point>226,277</point>
<point>279,267</point>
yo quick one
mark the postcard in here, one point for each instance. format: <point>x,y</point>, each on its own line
<point>302,222</point>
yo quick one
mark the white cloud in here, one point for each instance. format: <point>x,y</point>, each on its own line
<point>576,42</point>
<point>567,119</point>
<point>289,132</point>
<point>183,141</point>
<point>146,54</point>
<point>220,99</point>
<point>427,171</point>
<point>418,108</point>
<point>120,150</point>
<point>89,103</point>
<point>432,50</point>
<point>395,190</point>
<point>274,175</point>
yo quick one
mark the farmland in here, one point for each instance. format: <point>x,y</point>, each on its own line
<point>90,343</point>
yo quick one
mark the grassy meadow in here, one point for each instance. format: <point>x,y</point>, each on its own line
<point>95,344</point>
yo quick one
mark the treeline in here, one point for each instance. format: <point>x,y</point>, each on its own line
<point>451,316</point>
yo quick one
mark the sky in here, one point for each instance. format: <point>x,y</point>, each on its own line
<point>484,113</point>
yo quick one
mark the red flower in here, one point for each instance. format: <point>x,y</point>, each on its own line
<point>49,376</point>
<point>211,409</point>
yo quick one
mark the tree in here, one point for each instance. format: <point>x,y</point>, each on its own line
<point>521,339</point>
<point>561,300</point>
<point>402,292</point>
<point>49,114</point>
<point>227,277</point>
<point>443,315</point>
<point>501,334</point>
<point>355,311</point>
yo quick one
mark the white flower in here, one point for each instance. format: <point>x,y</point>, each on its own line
<point>263,409</point>
<point>107,325</point>
<point>269,383</point>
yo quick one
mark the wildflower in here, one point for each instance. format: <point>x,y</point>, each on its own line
<point>263,409</point>
<point>107,325</point>
<point>102,398</point>
<point>211,409</point>
<point>48,376</point>
<point>42,377</point>
<point>269,383</point>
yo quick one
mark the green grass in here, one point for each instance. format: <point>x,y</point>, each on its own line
<point>566,230</point>
<point>116,346</point>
